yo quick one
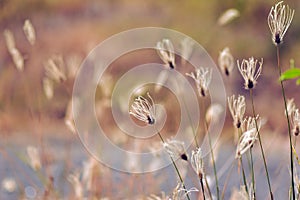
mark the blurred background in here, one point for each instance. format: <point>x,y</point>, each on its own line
<point>68,30</point>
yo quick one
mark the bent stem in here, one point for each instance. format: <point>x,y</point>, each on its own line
<point>261,147</point>
<point>288,122</point>
<point>176,169</point>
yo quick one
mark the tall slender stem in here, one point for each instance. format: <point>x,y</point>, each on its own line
<point>252,174</point>
<point>243,170</point>
<point>176,169</point>
<point>288,122</point>
<point>244,176</point>
<point>213,161</point>
<point>260,144</point>
<point>202,187</point>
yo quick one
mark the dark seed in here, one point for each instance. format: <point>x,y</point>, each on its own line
<point>184,157</point>
<point>250,84</point>
<point>150,120</point>
<point>277,39</point>
<point>171,65</point>
<point>226,72</point>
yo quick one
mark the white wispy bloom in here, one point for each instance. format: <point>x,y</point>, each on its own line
<point>54,68</point>
<point>226,61</point>
<point>197,162</point>
<point>291,106</point>
<point>9,184</point>
<point>17,59</point>
<point>228,16</point>
<point>187,47</point>
<point>165,50</point>
<point>213,113</point>
<point>69,121</point>
<point>237,108</point>
<point>48,88</point>
<point>34,158</point>
<point>13,51</point>
<point>175,149</point>
<point>179,192</point>
<point>295,121</point>
<point>239,194</point>
<point>279,20</point>
<point>249,71</point>
<point>143,109</point>
<point>249,136</point>
<point>87,173</point>
<point>29,31</point>
<point>202,78</point>
<point>9,40</point>
<point>77,185</point>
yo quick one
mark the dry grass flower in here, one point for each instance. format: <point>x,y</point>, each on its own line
<point>48,88</point>
<point>143,109</point>
<point>55,69</point>
<point>226,61</point>
<point>249,136</point>
<point>165,50</point>
<point>69,121</point>
<point>179,192</point>
<point>237,108</point>
<point>213,113</point>
<point>197,162</point>
<point>175,149</point>
<point>202,78</point>
<point>34,157</point>
<point>249,71</point>
<point>9,184</point>
<point>279,20</point>
<point>9,40</point>
<point>77,186</point>
<point>228,16</point>
<point>29,31</point>
<point>295,122</point>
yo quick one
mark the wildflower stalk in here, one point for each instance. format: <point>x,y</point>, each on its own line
<point>213,161</point>
<point>176,168</point>
<point>226,181</point>
<point>289,124</point>
<point>260,144</point>
<point>202,187</point>
<point>208,188</point>
<point>243,170</point>
<point>252,174</point>
<point>190,120</point>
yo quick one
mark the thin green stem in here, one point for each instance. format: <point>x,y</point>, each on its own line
<point>226,181</point>
<point>189,117</point>
<point>208,188</point>
<point>213,162</point>
<point>261,147</point>
<point>176,169</point>
<point>289,125</point>
<point>252,174</point>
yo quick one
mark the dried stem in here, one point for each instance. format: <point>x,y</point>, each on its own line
<point>261,147</point>
<point>289,125</point>
<point>176,169</point>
